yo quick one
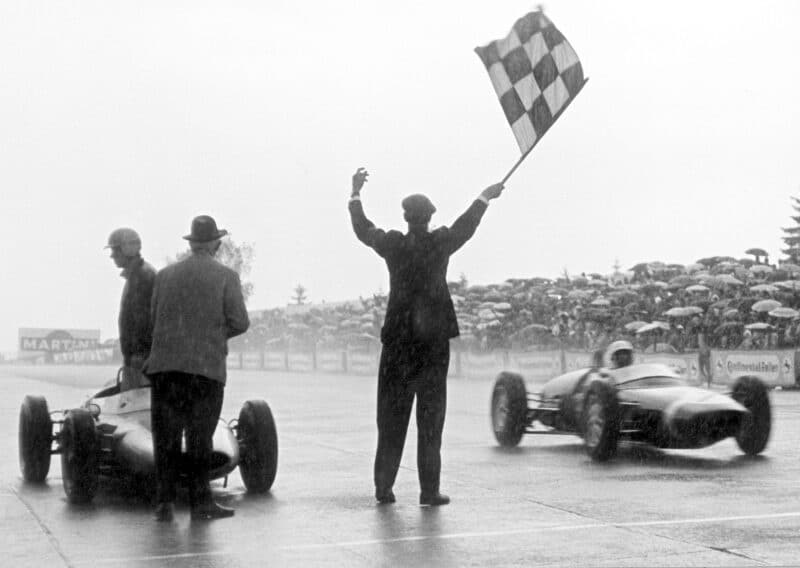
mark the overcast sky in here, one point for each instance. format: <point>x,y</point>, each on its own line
<point>683,144</point>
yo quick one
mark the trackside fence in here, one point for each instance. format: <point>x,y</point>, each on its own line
<point>775,367</point>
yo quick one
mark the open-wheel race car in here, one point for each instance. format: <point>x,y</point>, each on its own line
<point>109,436</point>
<point>647,403</point>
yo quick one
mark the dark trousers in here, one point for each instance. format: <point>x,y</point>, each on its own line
<point>191,404</point>
<point>406,371</point>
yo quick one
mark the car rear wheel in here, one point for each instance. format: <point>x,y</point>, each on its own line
<point>258,446</point>
<point>751,392</point>
<point>509,409</point>
<point>79,456</point>
<point>35,439</point>
<point>601,421</point>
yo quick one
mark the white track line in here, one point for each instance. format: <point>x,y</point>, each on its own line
<point>556,528</point>
<point>452,536</point>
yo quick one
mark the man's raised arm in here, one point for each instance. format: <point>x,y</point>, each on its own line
<point>464,227</point>
<point>364,229</point>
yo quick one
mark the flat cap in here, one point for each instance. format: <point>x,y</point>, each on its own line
<point>418,207</point>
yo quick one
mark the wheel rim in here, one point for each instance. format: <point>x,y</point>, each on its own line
<point>500,414</point>
<point>595,422</point>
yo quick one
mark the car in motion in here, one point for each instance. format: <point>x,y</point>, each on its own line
<point>647,403</point>
<point>109,436</point>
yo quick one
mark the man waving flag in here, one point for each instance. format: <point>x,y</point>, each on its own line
<point>536,74</point>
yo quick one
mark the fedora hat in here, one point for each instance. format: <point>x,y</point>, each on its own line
<point>204,229</point>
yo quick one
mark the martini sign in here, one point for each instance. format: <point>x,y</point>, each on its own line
<point>49,340</point>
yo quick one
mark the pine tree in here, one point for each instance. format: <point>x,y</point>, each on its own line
<point>299,295</point>
<point>792,238</point>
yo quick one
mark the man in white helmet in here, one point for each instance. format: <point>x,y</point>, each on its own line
<point>619,354</point>
<point>135,331</point>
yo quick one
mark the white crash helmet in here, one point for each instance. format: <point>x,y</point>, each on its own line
<point>619,354</point>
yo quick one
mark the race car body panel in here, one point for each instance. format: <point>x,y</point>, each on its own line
<point>658,406</point>
<point>563,385</point>
<point>123,419</point>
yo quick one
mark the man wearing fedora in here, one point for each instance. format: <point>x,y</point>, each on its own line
<point>420,321</point>
<point>197,306</point>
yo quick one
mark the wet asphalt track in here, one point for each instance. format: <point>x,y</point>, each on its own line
<point>543,503</point>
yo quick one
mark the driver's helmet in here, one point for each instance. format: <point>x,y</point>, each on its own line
<point>619,354</point>
<point>125,239</point>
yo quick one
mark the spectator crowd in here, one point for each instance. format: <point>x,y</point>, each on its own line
<point>717,302</point>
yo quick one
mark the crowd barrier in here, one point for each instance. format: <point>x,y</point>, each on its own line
<point>775,367</point>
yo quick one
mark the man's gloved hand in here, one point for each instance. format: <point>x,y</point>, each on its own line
<point>493,191</point>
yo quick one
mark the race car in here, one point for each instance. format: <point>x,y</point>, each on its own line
<point>109,436</point>
<point>647,403</point>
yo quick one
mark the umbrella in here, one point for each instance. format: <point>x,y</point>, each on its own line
<point>733,313</point>
<point>579,294</point>
<point>654,326</point>
<point>679,312</point>
<point>728,279</point>
<point>694,267</point>
<point>765,305</point>
<point>635,325</point>
<point>502,306</point>
<point>756,252</point>
<point>681,281</point>
<point>602,302</point>
<point>759,326</point>
<point>770,288</point>
<point>783,312</point>
<point>790,268</point>
<point>697,288</point>
<point>760,268</point>
<point>788,284</point>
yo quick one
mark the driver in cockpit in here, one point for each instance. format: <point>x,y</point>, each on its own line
<point>619,354</point>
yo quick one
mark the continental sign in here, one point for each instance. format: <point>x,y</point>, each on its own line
<point>51,340</point>
<point>776,368</point>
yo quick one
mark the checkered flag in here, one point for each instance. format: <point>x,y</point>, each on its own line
<point>536,74</point>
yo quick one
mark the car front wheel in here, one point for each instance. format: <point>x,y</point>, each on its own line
<point>509,409</point>
<point>258,446</point>
<point>79,456</point>
<point>601,421</point>
<point>35,439</point>
<point>753,435</point>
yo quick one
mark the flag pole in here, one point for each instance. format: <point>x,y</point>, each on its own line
<point>514,168</point>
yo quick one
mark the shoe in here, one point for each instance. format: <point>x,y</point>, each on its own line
<point>433,499</point>
<point>165,512</point>
<point>384,496</point>
<point>211,511</point>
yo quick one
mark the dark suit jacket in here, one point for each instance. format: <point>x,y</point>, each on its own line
<point>420,307</point>
<point>197,306</point>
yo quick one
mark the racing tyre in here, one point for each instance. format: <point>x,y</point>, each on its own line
<point>509,409</point>
<point>258,446</point>
<point>601,421</point>
<point>79,456</point>
<point>751,392</point>
<point>35,439</point>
